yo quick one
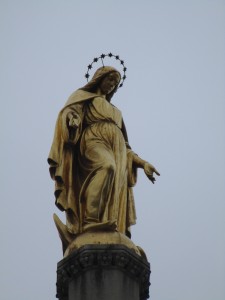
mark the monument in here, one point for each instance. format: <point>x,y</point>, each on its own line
<point>95,169</point>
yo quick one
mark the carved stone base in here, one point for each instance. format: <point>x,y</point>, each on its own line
<point>103,272</point>
<point>102,238</point>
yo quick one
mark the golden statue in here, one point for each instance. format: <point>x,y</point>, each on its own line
<point>92,163</point>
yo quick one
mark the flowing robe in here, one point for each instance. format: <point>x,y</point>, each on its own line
<point>92,165</point>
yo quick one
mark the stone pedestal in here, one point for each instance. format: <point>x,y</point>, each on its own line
<point>103,272</point>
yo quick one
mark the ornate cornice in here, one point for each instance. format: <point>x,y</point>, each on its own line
<point>103,256</point>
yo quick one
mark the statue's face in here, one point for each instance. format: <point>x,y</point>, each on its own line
<point>108,84</point>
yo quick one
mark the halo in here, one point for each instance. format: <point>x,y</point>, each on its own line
<point>110,55</point>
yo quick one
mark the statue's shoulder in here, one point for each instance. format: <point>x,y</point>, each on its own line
<point>79,96</point>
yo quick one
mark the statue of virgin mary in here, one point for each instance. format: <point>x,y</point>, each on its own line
<point>92,163</point>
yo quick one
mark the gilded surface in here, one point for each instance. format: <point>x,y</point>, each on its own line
<point>92,163</point>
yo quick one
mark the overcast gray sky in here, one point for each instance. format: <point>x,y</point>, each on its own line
<point>173,103</point>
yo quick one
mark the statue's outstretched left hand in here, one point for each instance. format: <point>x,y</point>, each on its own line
<point>149,171</point>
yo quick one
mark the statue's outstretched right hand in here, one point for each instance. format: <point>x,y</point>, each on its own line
<point>74,120</point>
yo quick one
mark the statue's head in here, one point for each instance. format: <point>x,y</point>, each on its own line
<point>107,79</point>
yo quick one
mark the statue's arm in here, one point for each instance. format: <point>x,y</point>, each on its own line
<point>134,162</point>
<point>72,123</point>
<point>148,168</point>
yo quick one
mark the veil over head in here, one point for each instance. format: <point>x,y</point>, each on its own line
<point>88,91</point>
<point>97,77</point>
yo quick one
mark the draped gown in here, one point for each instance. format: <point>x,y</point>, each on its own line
<point>94,176</point>
<point>103,159</point>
